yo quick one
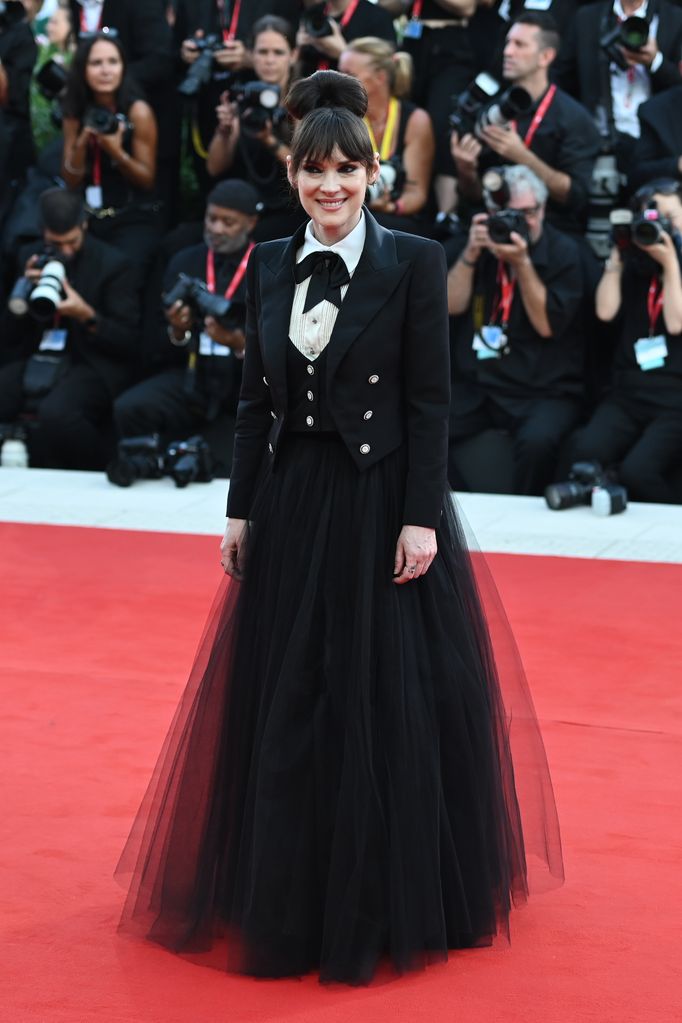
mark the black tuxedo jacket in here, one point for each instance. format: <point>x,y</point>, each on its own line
<point>388,353</point>
<point>580,65</point>
<point>660,144</point>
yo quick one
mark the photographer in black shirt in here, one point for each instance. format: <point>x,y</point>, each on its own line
<point>638,425</point>
<point>658,153</point>
<point>521,367</point>
<point>327,28</point>
<point>18,54</point>
<point>202,356</point>
<point>555,137</point>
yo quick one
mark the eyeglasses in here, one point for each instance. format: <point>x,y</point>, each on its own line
<point>528,211</point>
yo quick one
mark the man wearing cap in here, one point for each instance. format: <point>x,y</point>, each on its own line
<point>202,354</point>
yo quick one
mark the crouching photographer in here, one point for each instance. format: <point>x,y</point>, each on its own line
<point>69,339</point>
<point>519,282</point>
<point>638,425</point>
<point>203,337</point>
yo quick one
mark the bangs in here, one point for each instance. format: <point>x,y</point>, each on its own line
<point>327,129</point>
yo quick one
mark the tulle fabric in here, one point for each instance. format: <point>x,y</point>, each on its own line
<point>337,786</point>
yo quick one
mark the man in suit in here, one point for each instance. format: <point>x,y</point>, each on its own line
<point>519,347</point>
<point>659,150</point>
<point>612,82</point>
<point>85,353</point>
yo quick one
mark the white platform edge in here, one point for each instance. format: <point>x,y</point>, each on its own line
<point>512,525</point>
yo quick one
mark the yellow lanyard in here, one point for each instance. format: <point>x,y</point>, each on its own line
<point>389,130</point>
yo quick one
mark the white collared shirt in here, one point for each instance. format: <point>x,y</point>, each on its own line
<point>92,14</point>
<point>631,88</point>
<point>310,332</point>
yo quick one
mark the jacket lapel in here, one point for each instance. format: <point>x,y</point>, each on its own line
<point>277,295</point>
<point>376,277</point>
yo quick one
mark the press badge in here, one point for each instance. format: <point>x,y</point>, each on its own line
<point>207,346</point>
<point>490,342</point>
<point>53,340</point>
<point>414,29</point>
<point>93,197</point>
<point>538,5</point>
<point>651,352</point>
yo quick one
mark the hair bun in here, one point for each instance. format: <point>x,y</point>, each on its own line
<point>326,89</point>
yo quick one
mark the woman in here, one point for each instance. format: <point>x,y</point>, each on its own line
<point>110,147</point>
<point>59,47</point>
<point>337,785</point>
<point>400,132</point>
<point>258,153</point>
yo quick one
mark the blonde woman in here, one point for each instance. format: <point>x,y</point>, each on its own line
<point>401,133</point>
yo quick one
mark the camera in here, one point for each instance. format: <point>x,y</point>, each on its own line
<point>496,193</point>
<point>193,292</point>
<point>143,458</point>
<point>391,180</point>
<point>258,103</point>
<point>587,484</point>
<point>51,78</point>
<point>316,22</point>
<point>11,13</point>
<point>632,33</point>
<point>645,228</point>
<point>189,460</point>
<point>101,120</point>
<point>605,190</point>
<point>502,223</point>
<point>483,103</point>
<point>199,73</point>
<point>42,298</point>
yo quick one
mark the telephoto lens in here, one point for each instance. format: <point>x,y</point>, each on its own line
<point>48,292</point>
<point>609,499</point>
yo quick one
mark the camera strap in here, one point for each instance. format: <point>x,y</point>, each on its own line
<point>654,302</point>
<point>229,32</point>
<point>388,137</point>
<point>84,21</point>
<point>323,65</point>
<point>238,274</point>
<point>539,116</point>
<point>506,286</point>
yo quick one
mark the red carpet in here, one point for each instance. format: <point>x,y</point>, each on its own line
<point>98,631</point>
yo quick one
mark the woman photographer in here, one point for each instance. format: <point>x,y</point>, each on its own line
<point>401,133</point>
<point>110,140</point>
<point>259,155</point>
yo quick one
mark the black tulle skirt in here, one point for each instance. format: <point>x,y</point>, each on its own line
<point>338,784</point>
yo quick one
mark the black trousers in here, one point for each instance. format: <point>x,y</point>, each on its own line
<point>72,421</point>
<point>537,426</point>
<point>640,437</point>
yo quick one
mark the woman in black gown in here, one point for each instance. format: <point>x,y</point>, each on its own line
<point>337,786</point>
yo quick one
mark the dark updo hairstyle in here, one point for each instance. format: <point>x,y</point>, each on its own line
<point>78,95</point>
<point>329,107</point>
<point>273,23</point>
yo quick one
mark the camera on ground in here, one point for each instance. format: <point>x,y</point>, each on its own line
<point>587,484</point>
<point>144,458</point>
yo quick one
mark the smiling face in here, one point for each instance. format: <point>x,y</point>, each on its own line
<point>104,69</point>
<point>332,192</point>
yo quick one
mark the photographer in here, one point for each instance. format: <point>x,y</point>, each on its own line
<point>612,80</point>
<point>110,148</point>
<point>18,53</point>
<point>658,153</point>
<point>72,363</point>
<point>400,132</point>
<point>251,141</point>
<point>553,137</point>
<point>203,358</point>
<point>327,28</point>
<point>638,426</point>
<point>524,362</point>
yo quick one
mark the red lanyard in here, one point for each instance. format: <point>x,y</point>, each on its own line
<point>96,161</point>
<point>539,116</point>
<point>654,303</point>
<point>84,20</point>
<point>230,33</point>
<point>506,287</point>
<point>323,65</point>
<point>236,280</point>
<point>417,9</point>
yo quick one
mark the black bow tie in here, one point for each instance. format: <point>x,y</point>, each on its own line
<point>327,272</point>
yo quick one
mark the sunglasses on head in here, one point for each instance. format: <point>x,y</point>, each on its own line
<point>101,33</point>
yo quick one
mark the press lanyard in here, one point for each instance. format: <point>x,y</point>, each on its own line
<point>654,303</point>
<point>230,33</point>
<point>96,161</point>
<point>389,130</point>
<point>417,7</point>
<point>539,116</point>
<point>236,280</point>
<point>84,20</point>
<point>506,287</point>
<point>323,65</point>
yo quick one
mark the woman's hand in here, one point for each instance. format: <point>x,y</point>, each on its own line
<point>227,116</point>
<point>233,548</point>
<point>112,144</point>
<point>415,550</point>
